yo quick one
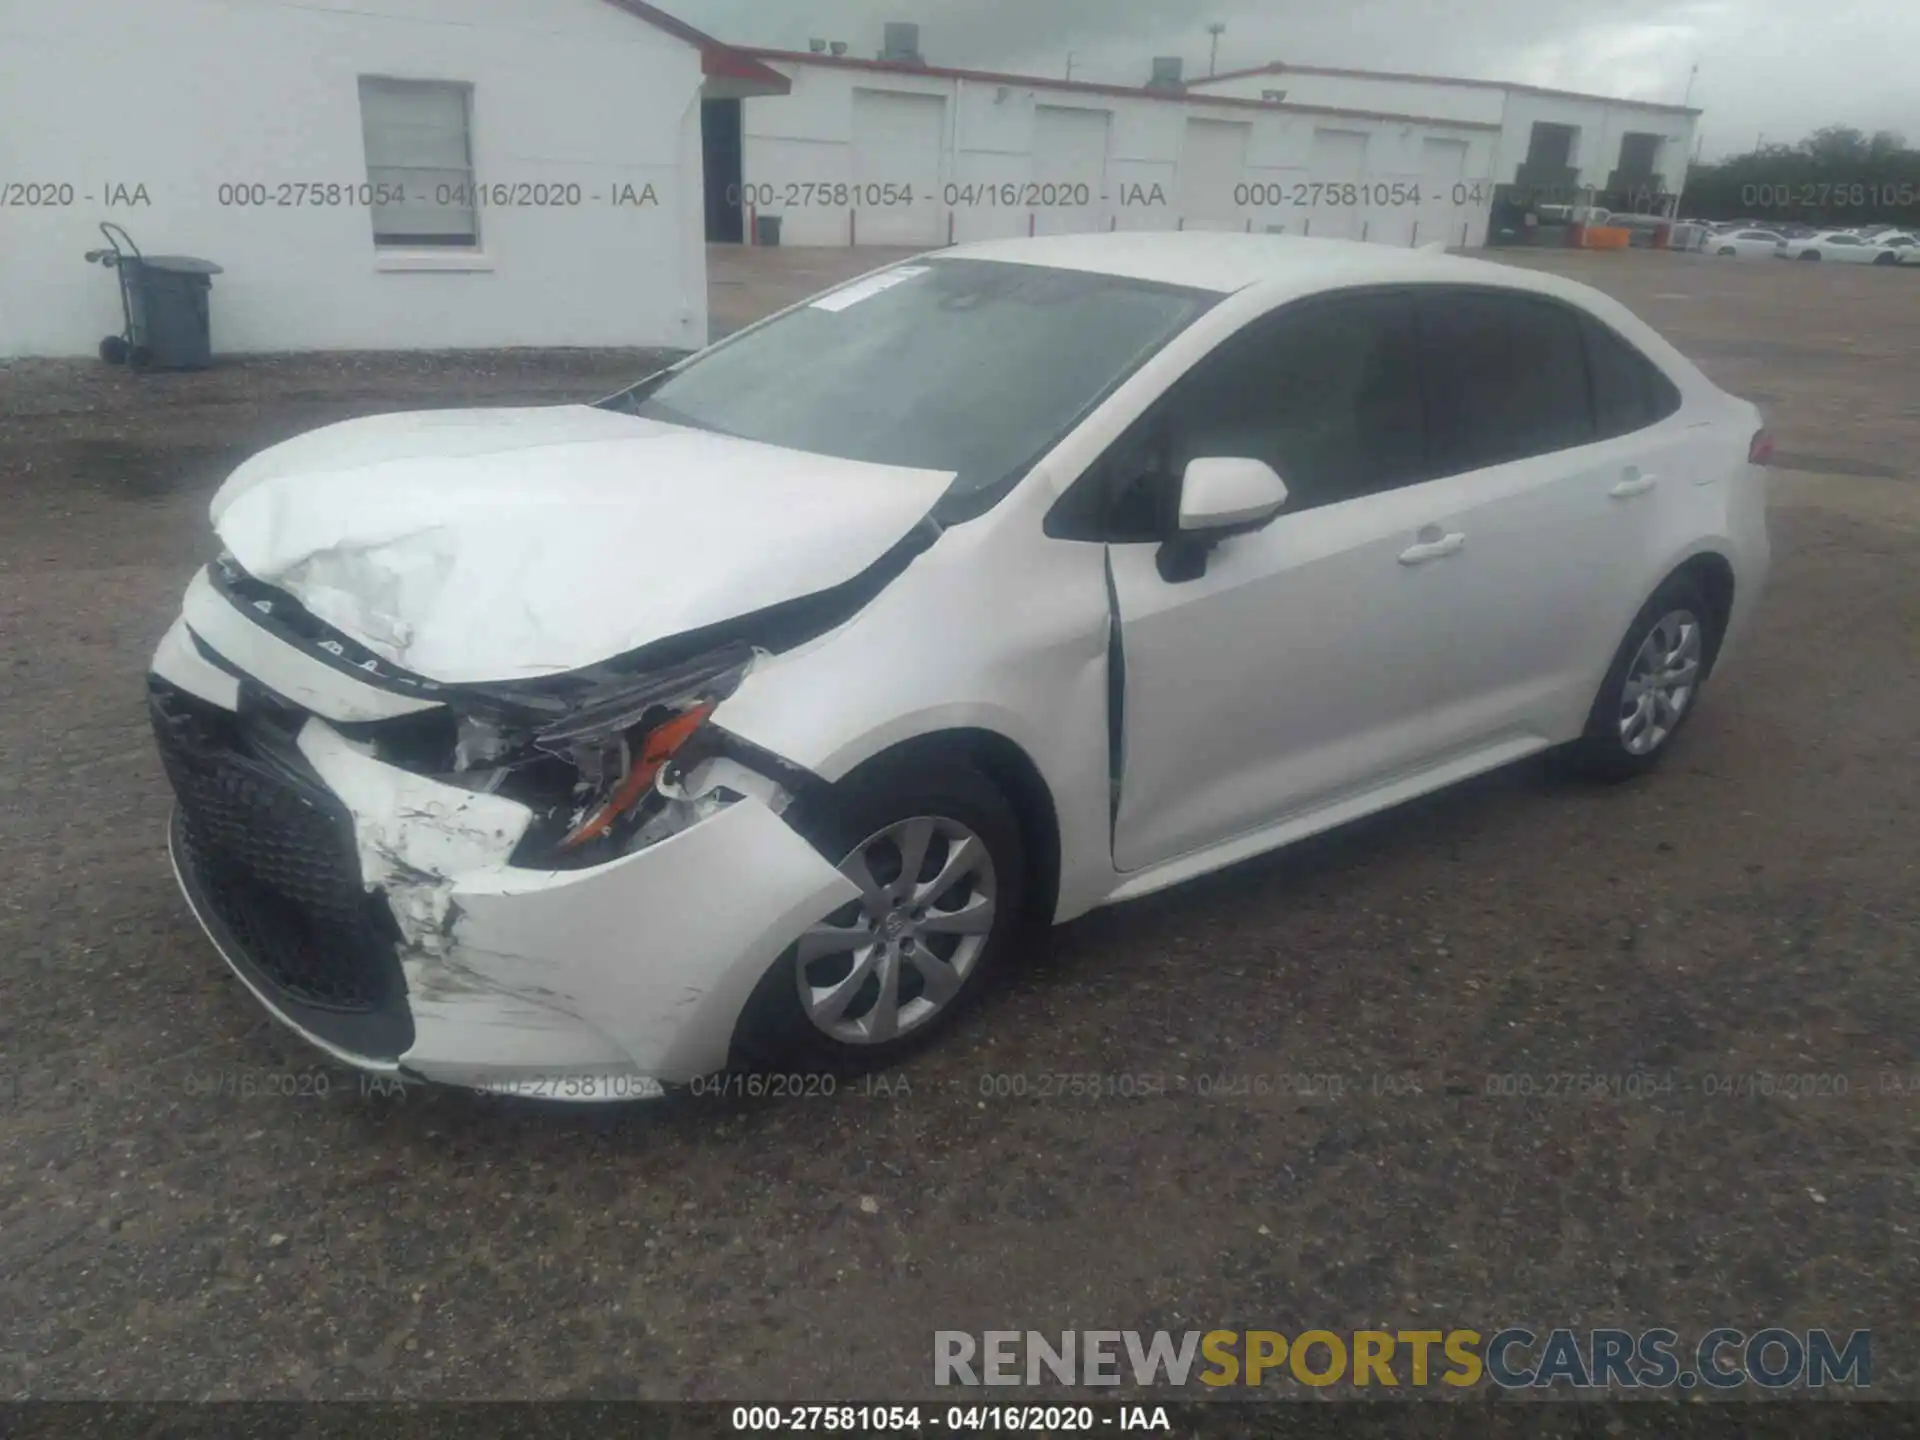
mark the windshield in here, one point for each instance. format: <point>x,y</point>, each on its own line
<point>971,366</point>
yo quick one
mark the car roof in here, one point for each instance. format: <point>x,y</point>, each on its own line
<point>1224,262</point>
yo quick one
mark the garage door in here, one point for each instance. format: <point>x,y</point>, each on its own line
<point>1213,163</point>
<point>1443,166</point>
<point>1069,168</point>
<point>1443,172</point>
<point>1338,157</point>
<point>898,140</point>
<point>1443,162</point>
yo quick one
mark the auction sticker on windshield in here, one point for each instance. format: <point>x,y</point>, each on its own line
<point>866,289</point>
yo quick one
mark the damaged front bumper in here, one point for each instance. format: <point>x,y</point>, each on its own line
<point>376,912</point>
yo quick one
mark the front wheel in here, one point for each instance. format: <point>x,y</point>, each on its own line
<point>1653,685</point>
<point>935,851</point>
<point>1810,255</point>
<point>1886,259</point>
<point>1728,250</point>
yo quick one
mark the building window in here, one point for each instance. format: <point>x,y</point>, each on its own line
<point>419,163</point>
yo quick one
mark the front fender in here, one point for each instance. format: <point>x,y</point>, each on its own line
<point>996,627</point>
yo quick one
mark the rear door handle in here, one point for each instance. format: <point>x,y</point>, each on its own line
<point>1432,549</point>
<point>1635,484</point>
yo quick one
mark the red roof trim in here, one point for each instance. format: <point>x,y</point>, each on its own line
<point>1088,87</point>
<point>716,58</point>
<point>1278,67</point>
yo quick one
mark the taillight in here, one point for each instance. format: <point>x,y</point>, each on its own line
<point>1760,448</point>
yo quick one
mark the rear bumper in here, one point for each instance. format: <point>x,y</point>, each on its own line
<point>596,984</point>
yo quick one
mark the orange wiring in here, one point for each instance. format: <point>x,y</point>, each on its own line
<point>655,751</point>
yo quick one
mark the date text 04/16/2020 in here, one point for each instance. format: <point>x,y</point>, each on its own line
<point>907,1419</point>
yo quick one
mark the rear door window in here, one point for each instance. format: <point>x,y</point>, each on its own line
<point>1505,378</point>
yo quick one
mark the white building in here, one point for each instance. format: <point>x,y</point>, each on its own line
<point>405,174</point>
<point>899,152</point>
<point>1552,144</point>
<point>1398,159</point>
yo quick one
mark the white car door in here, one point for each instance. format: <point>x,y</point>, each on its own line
<point>1294,669</point>
<point>1553,468</point>
<point>1750,244</point>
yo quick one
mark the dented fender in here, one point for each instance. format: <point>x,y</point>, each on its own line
<point>996,628</point>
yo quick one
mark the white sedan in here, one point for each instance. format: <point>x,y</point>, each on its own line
<point>742,718</point>
<point>1841,245</point>
<point>1746,244</point>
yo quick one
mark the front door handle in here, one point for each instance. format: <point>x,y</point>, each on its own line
<point>1634,484</point>
<point>1432,549</point>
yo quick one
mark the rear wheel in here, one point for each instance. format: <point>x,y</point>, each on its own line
<point>935,851</point>
<point>1653,685</point>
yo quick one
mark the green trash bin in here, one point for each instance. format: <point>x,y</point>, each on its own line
<point>164,301</point>
<point>169,321</point>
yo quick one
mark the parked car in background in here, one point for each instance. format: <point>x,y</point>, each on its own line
<point>1841,245</point>
<point>1748,244</point>
<point>749,714</point>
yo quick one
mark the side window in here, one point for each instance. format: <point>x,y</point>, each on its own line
<point>1629,391</point>
<point>1505,378</point>
<point>1326,392</point>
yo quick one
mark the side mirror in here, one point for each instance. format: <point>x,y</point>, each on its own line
<point>1229,493</point>
<point>1219,496</point>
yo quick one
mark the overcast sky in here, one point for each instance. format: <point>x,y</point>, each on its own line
<point>1778,67</point>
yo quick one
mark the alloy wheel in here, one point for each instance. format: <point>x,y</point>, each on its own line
<point>1660,682</point>
<point>887,963</point>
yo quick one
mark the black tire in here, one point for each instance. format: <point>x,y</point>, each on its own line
<point>1602,753</point>
<point>1728,250</point>
<point>1886,259</point>
<point>1809,254</point>
<point>775,1033</point>
<point>113,349</point>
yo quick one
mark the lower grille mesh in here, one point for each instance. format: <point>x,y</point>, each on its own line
<point>272,854</point>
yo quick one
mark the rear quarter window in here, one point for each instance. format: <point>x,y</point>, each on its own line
<point>1630,392</point>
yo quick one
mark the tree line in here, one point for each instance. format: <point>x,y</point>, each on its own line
<point>1837,176</point>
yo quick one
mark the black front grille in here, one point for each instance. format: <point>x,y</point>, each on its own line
<point>270,852</point>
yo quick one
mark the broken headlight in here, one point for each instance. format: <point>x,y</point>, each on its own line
<point>619,740</point>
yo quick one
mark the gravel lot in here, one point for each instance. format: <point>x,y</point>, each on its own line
<point>171,1227</point>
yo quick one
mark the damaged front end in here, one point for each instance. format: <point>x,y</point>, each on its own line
<point>579,875</point>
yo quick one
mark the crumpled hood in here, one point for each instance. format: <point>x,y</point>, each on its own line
<point>471,545</point>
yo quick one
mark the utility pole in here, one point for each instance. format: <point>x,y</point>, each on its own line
<point>1687,99</point>
<point>1213,58</point>
<point>1069,64</point>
